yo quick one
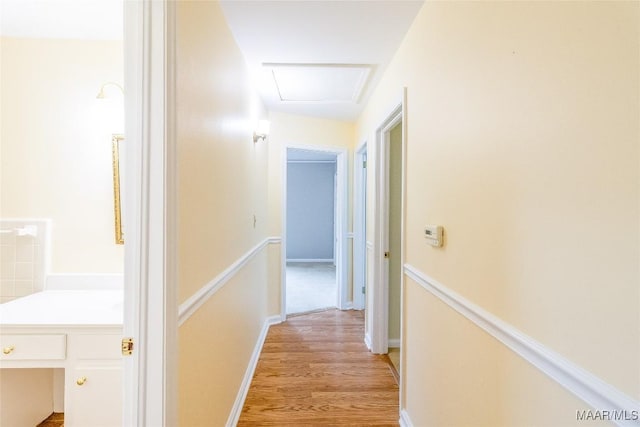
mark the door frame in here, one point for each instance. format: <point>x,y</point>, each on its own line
<point>150,216</point>
<point>341,207</point>
<point>379,316</point>
<point>359,226</point>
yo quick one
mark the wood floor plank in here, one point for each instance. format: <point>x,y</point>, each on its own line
<point>314,370</point>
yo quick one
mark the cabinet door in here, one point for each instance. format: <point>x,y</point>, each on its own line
<point>93,396</point>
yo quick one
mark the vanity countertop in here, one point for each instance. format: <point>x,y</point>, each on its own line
<point>64,308</point>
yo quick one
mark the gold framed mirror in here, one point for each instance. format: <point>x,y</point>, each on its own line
<point>115,154</point>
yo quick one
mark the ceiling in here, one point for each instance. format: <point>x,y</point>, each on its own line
<point>318,58</point>
<point>62,19</point>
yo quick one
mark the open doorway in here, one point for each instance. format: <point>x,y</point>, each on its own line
<point>394,224</point>
<point>311,231</point>
<point>314,222</point>
<point>384,302</point>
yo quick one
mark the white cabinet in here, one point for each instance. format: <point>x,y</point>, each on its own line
<point>93,396</point>
<point>92,363</point>
<point>94,377</point>
<point>87,348</point>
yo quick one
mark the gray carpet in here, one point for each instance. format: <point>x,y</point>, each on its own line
<point>310,286</point>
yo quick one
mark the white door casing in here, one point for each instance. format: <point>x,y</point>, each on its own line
<point>150,301</point>
<point>379,310</point>
<point>359,227</point>
<point>341,207</point>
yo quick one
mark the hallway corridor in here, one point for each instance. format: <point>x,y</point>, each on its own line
<point>314,370</point>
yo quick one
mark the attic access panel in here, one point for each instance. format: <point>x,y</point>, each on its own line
<point>320,82</point>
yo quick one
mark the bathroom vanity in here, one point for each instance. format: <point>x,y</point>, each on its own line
<point>62,350</point>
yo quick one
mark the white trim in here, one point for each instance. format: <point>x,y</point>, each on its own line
<point>348,306</point>
<point>379,317</point>
<point>134,76</point>
<point>274,240</point>
<point>367,340</point>
<point>369,245</point>
<point>195,301</point>
<point>283,246</point>
<point>403,203</point>
<point>236,410</point>
<point>341,207</point>
<point>394,343</point>
<point>150,300</point>
<point>311,161</point>
<point>405,421</point>
<point>350,235</point>
<point>359,249</point>
<point>586,386</point>
<point>311,260</point>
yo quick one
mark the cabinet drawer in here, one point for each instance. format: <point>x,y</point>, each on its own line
<point>96,346</point>
<point>33,347</point>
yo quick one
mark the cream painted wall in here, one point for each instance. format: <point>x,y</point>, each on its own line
<point>55,158</point>
<point>15,384</point>
<point>301,130</point>
<point>309,131</point>
<point>222,173</point>
<point>222,187</point>
<point>523,142</point>
<point>451,367</point>
<point>216,345</point>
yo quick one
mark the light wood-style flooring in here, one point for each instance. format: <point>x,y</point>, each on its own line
<point>315,370</point>
<point>56,419</point>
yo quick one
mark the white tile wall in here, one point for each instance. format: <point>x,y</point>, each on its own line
<point>23,259</point>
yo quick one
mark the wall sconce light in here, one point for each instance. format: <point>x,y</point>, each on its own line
<point>102,95</point>
<point>110,107</point>
<point>262,130</point>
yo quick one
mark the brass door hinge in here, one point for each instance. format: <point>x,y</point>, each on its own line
<point>127,346</point>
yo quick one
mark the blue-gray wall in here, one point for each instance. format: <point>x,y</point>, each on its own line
<point>310,211</point>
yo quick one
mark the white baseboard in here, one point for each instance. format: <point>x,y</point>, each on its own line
<point>405,421</point>
<point>393,343</point>
<point>234,416</point>
<point>591,389</point>
<point>367,341</point>
<point>310,260</point>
